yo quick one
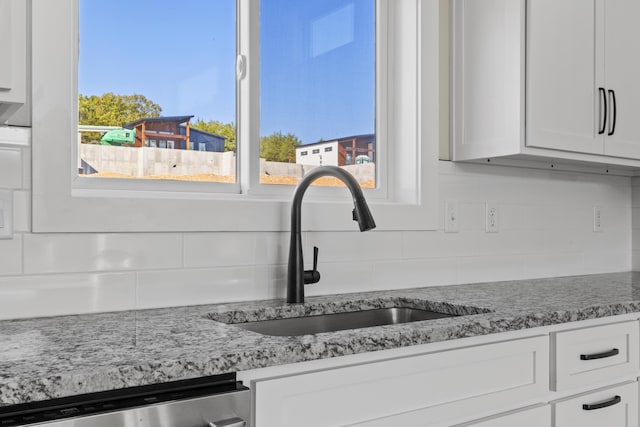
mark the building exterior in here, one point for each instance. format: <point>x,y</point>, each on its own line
<point>174,132</point>
<point>344,151</point>
<point>204,141</point>
<point>162,132</point>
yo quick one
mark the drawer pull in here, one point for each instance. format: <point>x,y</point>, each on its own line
<point>609,353</point>
<point>606,403</point>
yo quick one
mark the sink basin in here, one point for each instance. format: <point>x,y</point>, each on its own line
<point>339,321</point>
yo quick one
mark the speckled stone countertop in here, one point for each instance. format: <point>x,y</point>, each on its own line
<point>62,356</point>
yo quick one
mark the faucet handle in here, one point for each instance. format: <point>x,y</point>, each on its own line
<point>313,276</point>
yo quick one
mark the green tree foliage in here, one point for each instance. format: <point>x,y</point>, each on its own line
<point>110,109</point>
<point>228,130</point>
<point>278,147</point>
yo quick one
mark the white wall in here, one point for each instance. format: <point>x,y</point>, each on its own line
<point>545,221</point>
<point>635,213</point>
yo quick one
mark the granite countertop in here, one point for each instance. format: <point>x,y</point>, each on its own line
<point>61,356</point>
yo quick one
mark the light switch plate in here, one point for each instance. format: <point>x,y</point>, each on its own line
<point>6,214</point>
<point>451,217</point>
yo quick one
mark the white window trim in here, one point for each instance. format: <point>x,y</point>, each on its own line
<point>410,83</point>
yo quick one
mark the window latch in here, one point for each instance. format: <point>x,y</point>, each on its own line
<point>241,67</point>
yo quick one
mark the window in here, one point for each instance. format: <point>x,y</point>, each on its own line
<point>317,79</point>
<point>407,88</point>
<point>192,99</point>
<point>328,149</point>
<point>304,153</point>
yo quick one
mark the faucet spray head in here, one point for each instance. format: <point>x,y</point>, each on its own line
<point>362,214</point>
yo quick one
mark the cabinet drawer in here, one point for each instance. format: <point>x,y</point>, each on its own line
<point>433,388</point>
<point>590,355</point>
<point>613,407</point>
<point>535,417</point>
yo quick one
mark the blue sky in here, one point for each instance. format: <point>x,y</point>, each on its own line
<point>317,60</point>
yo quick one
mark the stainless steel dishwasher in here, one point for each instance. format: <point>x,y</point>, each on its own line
<point>203,402</point>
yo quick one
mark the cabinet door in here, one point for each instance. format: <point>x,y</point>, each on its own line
<point>431,388</point>
<point>622,75</point>
<point>614,407</point>
<point>13,56</point>
<point>591,355</point>
<point>564,74</point>
<point>536,417</point>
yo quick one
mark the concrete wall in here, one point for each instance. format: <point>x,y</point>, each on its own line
<point>146,161</point>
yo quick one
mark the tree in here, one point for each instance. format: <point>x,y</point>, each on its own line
<point>278,147</point>
<point>228,130</point>
<point>110,109</point>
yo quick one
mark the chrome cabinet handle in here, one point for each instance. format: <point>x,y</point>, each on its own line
<point>229,422</point>
<point>610,353</point>
<point>605,404</point>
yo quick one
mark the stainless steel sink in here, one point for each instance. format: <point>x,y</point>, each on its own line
<point>339,321</point>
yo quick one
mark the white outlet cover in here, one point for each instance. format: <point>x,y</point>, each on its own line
<point>597,219</point>
<point>492,217</point>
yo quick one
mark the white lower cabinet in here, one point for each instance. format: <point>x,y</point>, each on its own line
<point>591,355</point>
<point>423,390</point>
<point>612,407</point>
<point>535,417</point>
<point>580,374</point>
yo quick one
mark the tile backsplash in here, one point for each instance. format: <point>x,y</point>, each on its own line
<point>545,229</point>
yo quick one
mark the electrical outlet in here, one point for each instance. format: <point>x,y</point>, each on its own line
<point>597,219</point>
<point>451,217</point>
<point>491,217</point>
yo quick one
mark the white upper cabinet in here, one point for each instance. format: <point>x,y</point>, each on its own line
<point>622,77</point>
<point>13,57</point>
<point>564,73</point>
<point>566,87</point>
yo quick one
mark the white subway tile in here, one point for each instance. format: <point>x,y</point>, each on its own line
<point>53,295</point>
<point>512,217</point>
<point>635,194</point>
<point>426,244</point>
<point>11,168</point>
<point>607,261</point>
<point>553,264</point>
<point>229,249</point>
<point>415,273</point>
<point>546,221</point>
<point>202,286</point>
<point>490,268</point>
<point>11,255</point>
<point>353,246</point>
<point>338,278</point>
<point>66,253</point>
<point>472,217</point>
<point>635,218</point>
<point>26,168</point>
<point>635,260</point>
<point>21,211</point>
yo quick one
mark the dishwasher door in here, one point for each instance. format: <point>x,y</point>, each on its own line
<point>228,410</point>
<point>217,401</point>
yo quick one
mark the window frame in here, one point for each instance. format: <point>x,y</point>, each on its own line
<point>408,80</point>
